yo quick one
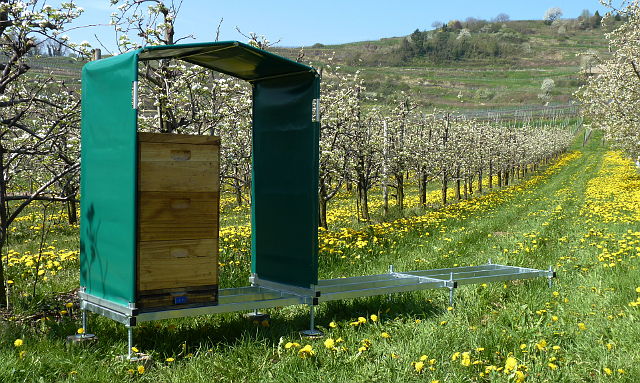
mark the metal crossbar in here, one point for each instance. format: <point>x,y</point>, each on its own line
<point>264,294</point>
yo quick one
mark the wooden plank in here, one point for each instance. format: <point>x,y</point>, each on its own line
<point>172,152</point>
<point>178,138</point>
<point>174,264</point>
<point>187,176</point>
<point>177,215</point>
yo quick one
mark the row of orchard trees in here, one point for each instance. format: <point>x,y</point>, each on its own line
<point>361,145</point>
<point>611,96</point>
<point>368,146</point>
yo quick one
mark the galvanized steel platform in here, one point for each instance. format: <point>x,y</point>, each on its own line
<point>265,294</point>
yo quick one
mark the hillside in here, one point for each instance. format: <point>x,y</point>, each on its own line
<point>527,52</point>
<point>523,54</point>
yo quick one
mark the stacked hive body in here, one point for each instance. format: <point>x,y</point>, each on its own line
<point>178,203</point>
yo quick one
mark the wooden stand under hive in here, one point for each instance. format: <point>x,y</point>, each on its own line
<point>178,216</point>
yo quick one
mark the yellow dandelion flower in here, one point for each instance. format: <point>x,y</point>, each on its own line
<point>385,335</point>
<point>423,358</point>
<point>80,330</point>
<point>306,351</point>
<point>333,324</point>
<point>582,326</point>
<point>140,369</point>
<point>419,366</point>
<point>466,359</point>
<point>607,371</point>
<point>519,376</point>
<point>22,354</point>
<point>18,342</point>
<point>135,349</point>
<point>170,360</point>
<point>373,317</point>
<point>552,366</point>
<point>510,365</point>
<point>68,305</point>
<point>330,343</point>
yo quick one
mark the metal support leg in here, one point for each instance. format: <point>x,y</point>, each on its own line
<point>452,285</point>
<point>552,275</point>
<point>84,323</point>
<point>129,342</point>
<point>83,335</point>
<point>312,332</point>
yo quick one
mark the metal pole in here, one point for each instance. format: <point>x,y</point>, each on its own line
<point>129,341</point>
<point>451,290</point>
<point>312,332</point>
<point>84,323</point>
<point>312,318</point>
<point>550,277</point>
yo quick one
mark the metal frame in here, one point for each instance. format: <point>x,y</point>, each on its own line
<point>265,294</point>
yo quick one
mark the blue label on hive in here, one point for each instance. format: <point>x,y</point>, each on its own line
<point>180,300</point>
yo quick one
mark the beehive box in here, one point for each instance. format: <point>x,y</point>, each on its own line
<point>178,219</point>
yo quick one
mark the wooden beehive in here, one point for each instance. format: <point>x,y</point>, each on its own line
<point>178,208</point>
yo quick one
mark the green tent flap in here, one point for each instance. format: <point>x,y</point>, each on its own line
<point>108,179</point>
<point>285,165</point>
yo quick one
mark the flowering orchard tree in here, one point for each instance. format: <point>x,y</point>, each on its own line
<point>611,96</point>
<point>181,98</point>
<point>39,115</point>
<point>339,107</point>
<point>552,14</point>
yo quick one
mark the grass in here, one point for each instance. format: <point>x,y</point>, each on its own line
<point>583,329</point>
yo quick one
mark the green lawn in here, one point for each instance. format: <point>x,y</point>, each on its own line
<point>582,329</point>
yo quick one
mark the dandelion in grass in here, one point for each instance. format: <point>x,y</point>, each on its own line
<point>18,342</point>
<point>466,359</point>
<point>22,354</point>
<point>169,360</point>
<point>306,351</point>
<point>510,365</point>
<point>419,366</point>
<point>333,324</point>
<point>582,326</point>
<point>140,369</point>
<point>520,376</point>
<point>80,331</point>
<point>373,317</point>
<point>291,345</point>
<point>330,344</point>
<point>135,349</point>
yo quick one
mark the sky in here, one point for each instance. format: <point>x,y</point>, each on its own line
<point>304,23</point>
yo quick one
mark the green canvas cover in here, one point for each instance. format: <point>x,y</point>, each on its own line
<point>285,165</point>
<point>285,181</point>
<point>108,179</point>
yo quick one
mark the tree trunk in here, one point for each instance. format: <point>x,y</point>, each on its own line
<point>499,178</point>
<point>72,212</point>
<point>399,190</point>
<point>458,196</point>
<point>422,188</point>
<point>444,188</point>
<point>322,201</point>
<point>364,199</point>
<point>3,226</point>
<point>480,181</point>
<point>490,174</point>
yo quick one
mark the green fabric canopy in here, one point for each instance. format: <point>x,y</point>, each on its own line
<point>285,164</point>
